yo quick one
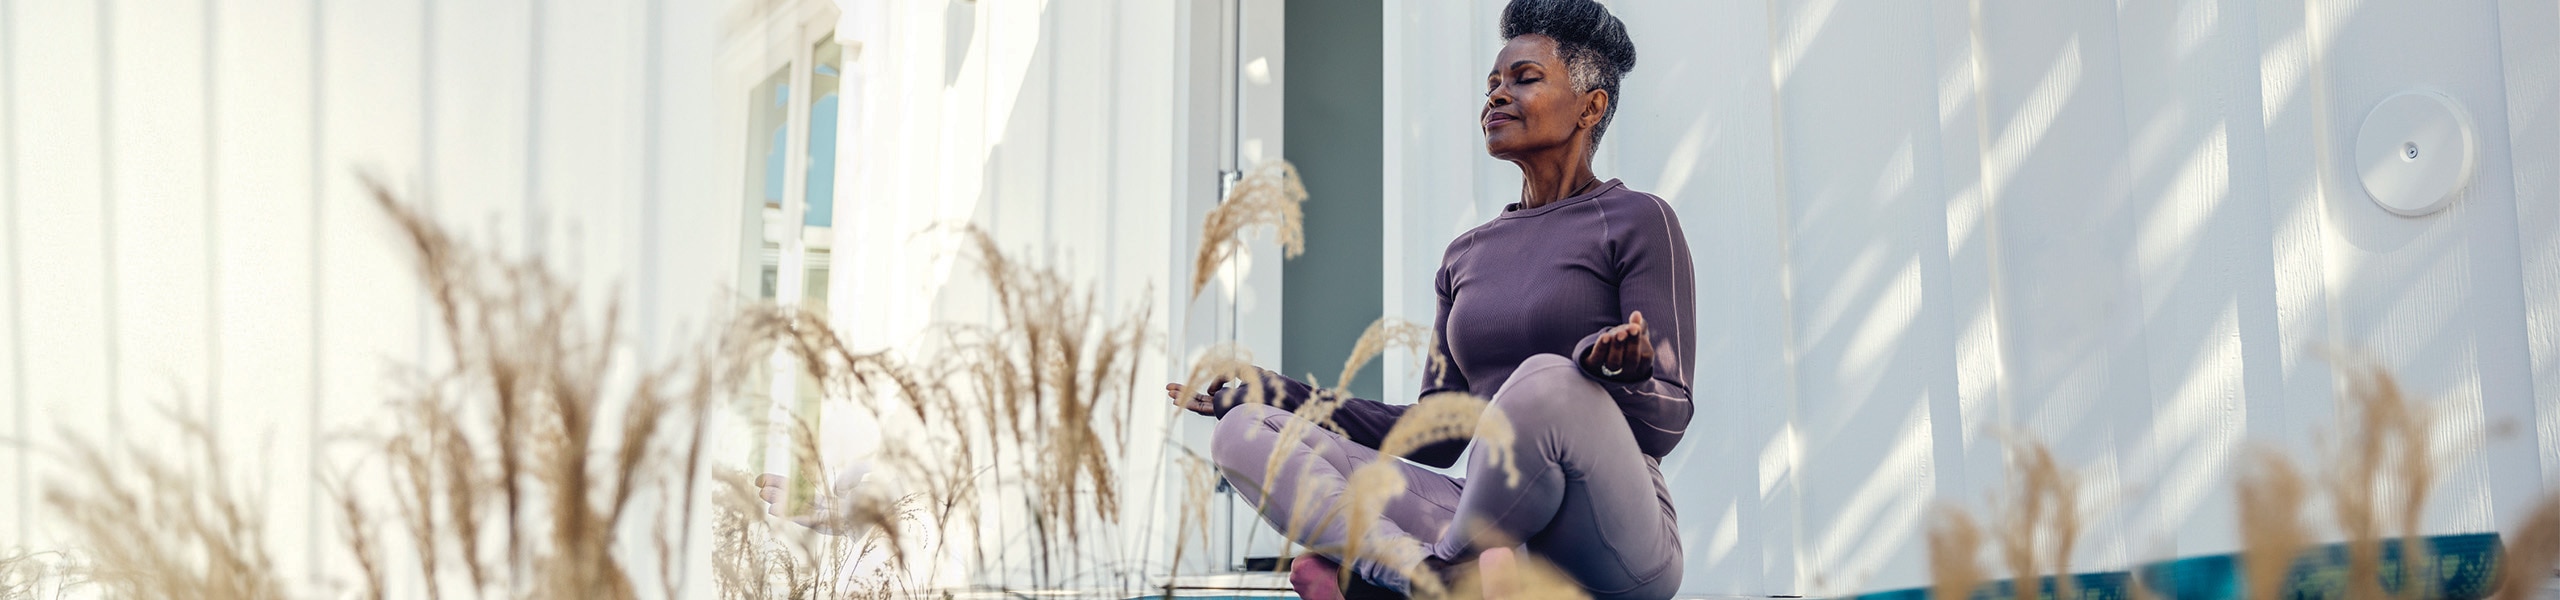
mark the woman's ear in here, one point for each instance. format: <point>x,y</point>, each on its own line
<point>1595,104</point>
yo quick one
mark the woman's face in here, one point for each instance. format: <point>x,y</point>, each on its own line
<point>1530,107</point>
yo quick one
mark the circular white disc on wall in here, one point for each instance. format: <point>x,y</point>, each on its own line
<point>2414,152</point>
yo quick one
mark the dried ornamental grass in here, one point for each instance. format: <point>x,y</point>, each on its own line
<point>756,556</point>
<point>149,525</point>
<point>1955,547</point>
<point>2272,534</point>
<point>2037,527</point>
<point>1022,402</point>
<point>1267,195</point>
<point>1200,479</point>
<point>2533,550</point>
<point>514,435</point>
<point>28,575</point>
<point>1384,334</point>
<point>2385,447</point>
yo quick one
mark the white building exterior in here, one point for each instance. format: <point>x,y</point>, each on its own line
<point>2124,227</point>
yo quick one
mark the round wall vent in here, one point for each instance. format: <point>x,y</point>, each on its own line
<point>2415,152</point>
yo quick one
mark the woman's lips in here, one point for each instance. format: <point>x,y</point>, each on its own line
<point>1498,120</point>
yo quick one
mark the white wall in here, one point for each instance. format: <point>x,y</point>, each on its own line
<point>184,225</point>
<point>2124,228</point>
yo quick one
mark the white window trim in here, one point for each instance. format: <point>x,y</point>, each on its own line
<point>767,36</point>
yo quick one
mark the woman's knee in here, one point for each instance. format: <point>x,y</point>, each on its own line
<point>1243,437</point>
<point>1549,387</point>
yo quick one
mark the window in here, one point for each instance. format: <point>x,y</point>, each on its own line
<point>788,214</point>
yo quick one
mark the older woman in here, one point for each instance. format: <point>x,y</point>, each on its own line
<point>1572,310</point>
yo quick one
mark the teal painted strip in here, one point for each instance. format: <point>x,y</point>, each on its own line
<point>2463,567</point>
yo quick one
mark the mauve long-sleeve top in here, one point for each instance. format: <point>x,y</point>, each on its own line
<point>1548,280</point>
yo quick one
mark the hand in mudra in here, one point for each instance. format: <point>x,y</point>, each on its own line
<point>1204,402</point>
<point>1623,352</point>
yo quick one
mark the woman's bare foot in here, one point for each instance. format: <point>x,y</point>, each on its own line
<point>1315,577</point>
<point>1494,569</point>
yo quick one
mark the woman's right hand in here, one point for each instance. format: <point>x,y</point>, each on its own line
<point>1199,402</point>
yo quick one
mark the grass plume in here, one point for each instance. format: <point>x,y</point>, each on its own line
<point>2533,550</point>
<point>26,575</point>
<point>2385,447</point>
<point>150,525</point>
<point>1267,195</point>
<point>1384,334</point>
<point>1955,547</point>
<point>2272,534</point>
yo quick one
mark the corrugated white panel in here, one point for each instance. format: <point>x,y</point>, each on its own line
<point>62,218</point>
<point>1696,128</point>
<point>1858,138</point>
<point>692,198</point>
<point>267,139</point>
<point>2071,316</point>
<point>2431,296</point>
<point>368,298</point>
<point>2529,35</point>
<point>587,138</point>
<point>1971,455</point>
<point>156,154</point>
<point>19,505</point>
<point>481,70</point>
<point>2203,247</point>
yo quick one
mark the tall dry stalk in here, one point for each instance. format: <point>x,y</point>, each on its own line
<point>2385,447</point>
<point>2272,534</point>
<point>1955,547</point>
<point>2041,522</point>
<point>1385,334</point>
<point>1267,195</point>
<point>520,437</point>
<point>2533,550</point>
<point>2036,527</point>
<point>152,525</point>
<point>1026,401</point>
<point>755,556</point>
<point>27,575</point>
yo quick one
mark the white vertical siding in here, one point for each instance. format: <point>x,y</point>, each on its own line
<point>61,206</point>
<point>2129,230</point>
<point>14,506</point>
<point>187,229</point>
<point>2529,33</point>
<point>1719,171</point>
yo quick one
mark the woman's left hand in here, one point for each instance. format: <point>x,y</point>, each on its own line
<point>1621,349</point>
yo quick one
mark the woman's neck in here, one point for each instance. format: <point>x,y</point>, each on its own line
<point>1543,184</point>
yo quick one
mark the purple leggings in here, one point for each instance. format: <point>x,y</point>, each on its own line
<point>1588,501</point>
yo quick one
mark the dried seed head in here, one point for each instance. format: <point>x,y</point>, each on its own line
<point>2533,550</point>
<point>1955,547</point>
<point>2271,533</point>
<point>1383,334</point>
<point>1267,195</point>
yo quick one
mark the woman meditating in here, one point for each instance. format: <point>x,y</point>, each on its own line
<point>1572,311</point>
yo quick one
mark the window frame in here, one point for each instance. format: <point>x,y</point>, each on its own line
<point>768,36</point>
